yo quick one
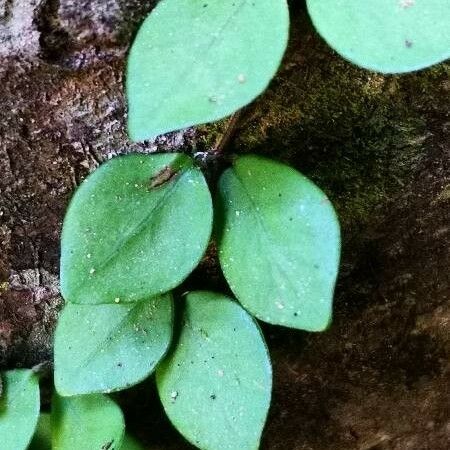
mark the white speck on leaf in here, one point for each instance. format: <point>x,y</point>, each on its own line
<point>241,78</point>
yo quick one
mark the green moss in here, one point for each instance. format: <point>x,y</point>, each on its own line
<point>444,195</point>
<point>208,136</point>
<point>358,134</point>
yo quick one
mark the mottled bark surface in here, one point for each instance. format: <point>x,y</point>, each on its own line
<point>378,379</point>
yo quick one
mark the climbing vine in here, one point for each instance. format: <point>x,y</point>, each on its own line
<point>138,226</point>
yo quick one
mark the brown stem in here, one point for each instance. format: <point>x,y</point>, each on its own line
<point>229,133</point>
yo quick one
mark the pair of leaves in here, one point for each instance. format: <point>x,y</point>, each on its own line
<point>85,423</point>
<point>220,363</point>
<point>390,36</point>
<point>134,230</point>
<point>125,241</point>
<point>197,62</point>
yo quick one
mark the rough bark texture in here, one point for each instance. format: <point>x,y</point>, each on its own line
<point>378,379</point>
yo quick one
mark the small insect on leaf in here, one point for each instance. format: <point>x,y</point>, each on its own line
<point>163,176</point>
<point>108,445</point>
<point>135,228</point>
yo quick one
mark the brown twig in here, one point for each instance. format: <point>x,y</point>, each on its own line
<point>226,138</point>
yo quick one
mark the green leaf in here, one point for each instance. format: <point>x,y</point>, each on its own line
<point>279,243</point>
<point>19,409</point>
<point>105,348</point>
<point>87,422</point>
<point>135,228</point>
<point>42,439</point>
<point>216,385</point>
<point>390,36</point>
<point>198,61</point>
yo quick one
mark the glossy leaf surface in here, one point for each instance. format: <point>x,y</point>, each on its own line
<point>279,243</point>
<point>216,385</point>
<point>19,409</point>
<point>194,62</point>
<point>135,228</point>
<point>87,422</point>
<point>390,36</point>
<point>104,348</point>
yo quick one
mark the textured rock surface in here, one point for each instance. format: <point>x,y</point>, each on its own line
<point>378,146</point>
<point>62,113</point>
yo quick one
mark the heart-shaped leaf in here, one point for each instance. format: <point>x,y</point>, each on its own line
<point>390,36</point>
<point>279,243</point>
<point>19,409</point>
<point>104,348</point>
<point>135,228</point>
<point>216,385</point>
<point>87,422</point>
<point>195,62</point>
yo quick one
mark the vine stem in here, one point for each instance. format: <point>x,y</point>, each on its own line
<point>229,133</point>
<point>43,368</point>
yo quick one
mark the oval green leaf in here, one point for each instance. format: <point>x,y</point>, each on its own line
<point>105,348</point>
<point>134,229</point>
<point>216,385</point>
<point>42,439</point>
<point>19,409</point>
<point>194,62</point>
<point>279,243</point>
<point>390,36</point>
<point>87,422</point>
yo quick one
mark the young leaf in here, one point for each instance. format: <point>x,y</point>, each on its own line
<point>104,348</point>
<point>19,409</point>
<point>216,385</point>
<point>390,36</point>
<point>87,422</point>
<point>135,228</point>
<point>194,62</point>
<point>278,243</point>
<point>42,439</point>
